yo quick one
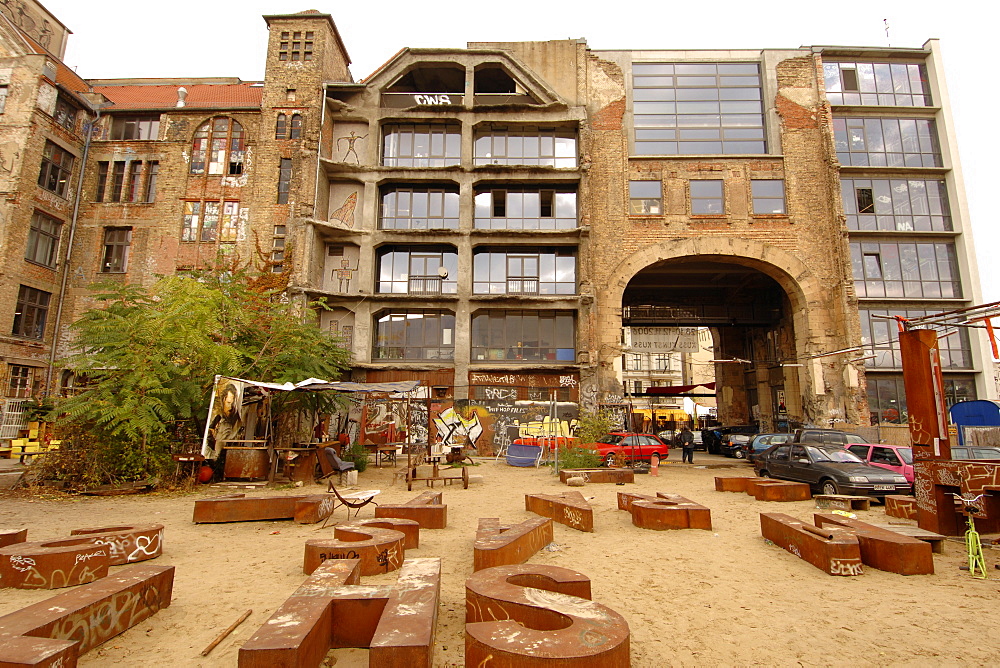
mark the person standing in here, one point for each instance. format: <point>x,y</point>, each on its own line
<point>687,444</point>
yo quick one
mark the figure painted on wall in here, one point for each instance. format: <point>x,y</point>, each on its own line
<point>344,275</point>
<point>345,214</point>
<point>351,139</point>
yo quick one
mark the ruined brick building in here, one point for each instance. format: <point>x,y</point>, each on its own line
<point>491,220</point>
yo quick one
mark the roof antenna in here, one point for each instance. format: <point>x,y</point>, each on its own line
<point>886,23</point>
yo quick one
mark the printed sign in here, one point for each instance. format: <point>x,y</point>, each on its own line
<point>662,339</point>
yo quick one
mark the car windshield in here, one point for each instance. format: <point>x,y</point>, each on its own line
<point>853,438</point>
<point>831,455</point>
<point>906,454</point>
<point>610,439</point>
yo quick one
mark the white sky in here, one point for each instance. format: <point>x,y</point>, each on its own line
<point>193,38</point>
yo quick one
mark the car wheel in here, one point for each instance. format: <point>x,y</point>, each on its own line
<point>739,454</point>
<point>609,461</point>
<point>830,487</point>
<point>764,474</point>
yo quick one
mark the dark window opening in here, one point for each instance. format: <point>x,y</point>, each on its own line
<point>493,79</point>
<point>284,180</point>
<point>850,79</point>
<point>102,181</point>
<point>866,200</point>
<point>430,80</point>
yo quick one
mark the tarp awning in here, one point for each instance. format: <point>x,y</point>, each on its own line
<point>678,390</point>
<point>319,385</point>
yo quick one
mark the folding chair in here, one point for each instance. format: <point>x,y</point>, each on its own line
<point>330,463</point>
<point>354,501</point>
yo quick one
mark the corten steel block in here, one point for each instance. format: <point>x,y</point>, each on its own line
<point>239,508</point>
<point>517,616</point>
<point>904,507</point>
<point>52,564</point>
<point>425,508</point>
<point>766,489</point>
<point>598,475</point>
<point>837,552</point>
<point>884,549</point>
<point>38,652</point>
<point>76,621</point>
<point>843,501</point>
<point>664,511</point>
<point>126,544</point>
<point>732,484</point>
<point>380,550</point>
<point>299,632</point>
<point>405,633</point>
<point>501,544</point>
<point>12,536</point>
<point>409,528</point>
<point>569,508</point>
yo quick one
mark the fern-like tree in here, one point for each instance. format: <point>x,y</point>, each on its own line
<point>151,355</point>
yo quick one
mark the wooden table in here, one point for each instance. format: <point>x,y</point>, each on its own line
<point>301,466</point>
<point>387,451</point>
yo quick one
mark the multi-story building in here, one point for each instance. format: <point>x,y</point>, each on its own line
<point>492,221</point>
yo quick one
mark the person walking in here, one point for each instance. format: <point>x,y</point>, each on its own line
<point>687,444</point>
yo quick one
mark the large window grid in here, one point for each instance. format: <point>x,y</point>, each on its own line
<point>697,109</point>
<point>57,168</point>
<point>524,336</point>
<point>525,209</point>
<point>210,221</point>
<point>500,145</point>
<point>887,397</point>
<point>880,84</point>
<point>135,127</point>
<point>417,270</point>
<point>523,271</point>
<point>43,240</point>
<point>886,142</point>
<point>881,336</point>
<point>415,335</point>
<point>419,208</point>
<point>30,312</point>
<point>296,46</point>
<point>896,205</point>
<point>914,270</point>
<point>421,145</point>
<point>218,148</point>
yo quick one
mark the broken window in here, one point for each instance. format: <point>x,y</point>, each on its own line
<point>102,181</point>
<point>896,205</point>
<point>493,84</point>
<point>880,84</point>
<point>117,241</point>
<point>525,145</point>
<point>30,313</point>
<point>284,180</point>
<point>645,198</point>
<point>57,167</point>
<point>218,148</point>
<point>419,208</point>
<point>522,271</point>
<point>417,270</point>
<point>526,209</point>
<point>431,79</point>
<point>524,336</point>
<point>151,176</point>
<point>768,196</point>
<point>422,145</point>
<point>707,197</point>
<point>865,200</point>
<point>230,221</point>
<point>65,114</point>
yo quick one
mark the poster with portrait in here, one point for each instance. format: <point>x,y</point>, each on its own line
<point>225,417</point>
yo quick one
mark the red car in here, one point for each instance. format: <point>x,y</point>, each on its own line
<point>630,446</point>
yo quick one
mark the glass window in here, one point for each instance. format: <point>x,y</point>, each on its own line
<point>524,271</point>
<point>417,270</point>
<point>707,197</point>
<point>295,128</point>
<point>419,208</point>
<point>102,181</point>
<point>880,337</point>
<point>30,313</point>
<point>768,196</point>
<point>116,244</point>
<point>880,84</point>
<point>230,221</point>
<point>886,142</point>
<point>3,98</point>
<point>525,209</point>
<point>421,145</point>
<point>887,397</point>
<point>135,127</point>
<point>414,335</point>
<point>912,270</point>
<point>281,127</point>
<point>284,180</point>
<point>117,181</point>
<point>192,221</point>
<point>218,148</point>
<point>19,382</point>
<point>524,336</point>
<point>697,108</point>
<point>296,46</point>
<point>896,205</point>
<point>43,240</point>
<point>524,145</point>
<point>57,167</point>
<point>645,198</point>
<point>65,114</point>
<point>151,175</point>
<point>135,181</point>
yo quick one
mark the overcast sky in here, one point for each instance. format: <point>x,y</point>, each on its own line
<point>189,38</point>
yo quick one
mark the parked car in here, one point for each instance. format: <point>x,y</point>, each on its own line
<point>829,469</point>
<point>732,445</point>
<point>761,442</point>
<point>898,458</point>
<point>714,439</point>
<point>630,446</point>
<point>974,452</point>
<point>827,436</point>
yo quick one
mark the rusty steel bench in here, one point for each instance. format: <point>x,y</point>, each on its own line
<point>511,619</point>
<point>598,475</point>
<point>884,549</point>
<point>732,484</point>
<point>409,528</point>
<point>768,489</point>
<point>304,509</point>
<point>843,501</point>
<point>425,508</point>
<point>833,550</point>
<point>126,544</point>
<point>903,507</point>
<point>569,508</point>
<point>502,544</point>
<point>664,511</point>
<point>380,550</point>
<point>12,536</point>
<point>330,610</point>
<point>56,631</point>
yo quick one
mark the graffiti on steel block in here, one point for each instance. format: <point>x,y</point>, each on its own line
<point>841,567</point>
<point>350,554</point>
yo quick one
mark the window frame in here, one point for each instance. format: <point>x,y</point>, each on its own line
<point>417,145</point>
<point>135,127</point>
<point>415,345</point>
<point>499,335</point>
<point>396,274</point>
<point>499,144</point>
<point>284,180</point>
<point>20,381</point>
<point>497,207</point>
<point>36,235</point>
<point>222,141</point>
<point>210,221</point>
<point>767,197</point>
<point>704,201</point>
<point>117,242</point>
<point>396,199</point>
<point>56,170</point>
<point>641,204</point>
<point>31,313</point>
<point>491,270</point>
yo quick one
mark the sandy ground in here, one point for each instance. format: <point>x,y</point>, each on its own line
<point>692,598</point>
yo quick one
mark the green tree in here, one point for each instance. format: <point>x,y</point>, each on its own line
<point>151,355</point>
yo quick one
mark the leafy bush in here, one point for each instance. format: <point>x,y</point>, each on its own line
<point>358,454</point>
<point>591,426</point>
<point>578,458</point>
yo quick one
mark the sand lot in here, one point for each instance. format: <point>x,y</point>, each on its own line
<point>692,598</point>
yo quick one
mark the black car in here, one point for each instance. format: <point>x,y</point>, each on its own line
<point>828,469</point>
<point>714,438</point>
<point>733,444</point>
